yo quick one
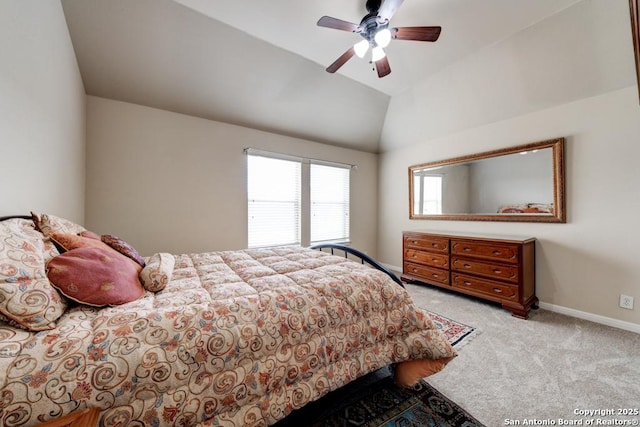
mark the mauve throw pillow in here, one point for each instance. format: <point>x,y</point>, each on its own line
<point>95,276</point>
<point>72,241</point>
<point>123,247</point>
<point>90,235</point>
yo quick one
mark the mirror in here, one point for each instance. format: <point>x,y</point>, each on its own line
<point>634,9</point>
<point>523,183</point>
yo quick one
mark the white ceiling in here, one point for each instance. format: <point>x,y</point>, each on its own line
<point>468,25</point>
<point>261,63</point>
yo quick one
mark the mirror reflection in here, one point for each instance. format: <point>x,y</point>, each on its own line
<point>523,183</point>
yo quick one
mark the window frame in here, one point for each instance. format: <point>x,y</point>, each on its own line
<point>305,176</point>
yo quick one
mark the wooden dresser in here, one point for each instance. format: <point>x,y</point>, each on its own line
<point>494,268</point>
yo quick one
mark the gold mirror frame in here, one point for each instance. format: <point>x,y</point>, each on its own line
<point>635,34</point>
<point>559,214</point>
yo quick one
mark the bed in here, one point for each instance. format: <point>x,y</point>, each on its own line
<point>229,338</point>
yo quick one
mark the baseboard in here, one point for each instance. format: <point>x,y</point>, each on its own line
<point>397,270</point>
<point>620,324</point>
<point>596,318</point>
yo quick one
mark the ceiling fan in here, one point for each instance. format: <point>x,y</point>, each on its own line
<point>374,29</point>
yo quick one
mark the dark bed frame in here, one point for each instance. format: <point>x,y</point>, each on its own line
<point>364,258</point>
<point>3,218</point>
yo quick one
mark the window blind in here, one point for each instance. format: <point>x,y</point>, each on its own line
<point>429,189</point>
<point>329,194</point>
<point>274,201</point>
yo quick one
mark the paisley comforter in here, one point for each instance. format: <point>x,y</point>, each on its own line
<point>236,338</point>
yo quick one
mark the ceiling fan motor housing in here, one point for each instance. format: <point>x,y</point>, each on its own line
<point>373,6</point>
<point>370,25</point>
<point>371,29</point>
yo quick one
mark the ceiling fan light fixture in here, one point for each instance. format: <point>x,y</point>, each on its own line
<point>383,37</point>
<point>361,48</point>
<point>377,53</point>
<point>374,29</point>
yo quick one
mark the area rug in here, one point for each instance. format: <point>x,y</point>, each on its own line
<point>457,333</point>
<point>375,401</point>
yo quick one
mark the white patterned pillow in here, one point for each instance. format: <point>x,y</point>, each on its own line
<point>48,224</point>
<point>26,296</point>
<point>157,272</point>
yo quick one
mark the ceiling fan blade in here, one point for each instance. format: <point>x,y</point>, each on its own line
<point>389,8</point>
<point>341,61</point>
<point>382,67</point>
<point>337,24</point>
<point>423,34</point>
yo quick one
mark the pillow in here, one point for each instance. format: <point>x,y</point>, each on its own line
<point>68,242</point>
<point>512,209</point>
<point>26,296</point>
<point>49,224</point>
<point>90,235</point>
<point>158,271</point>
<point>123,247</point>
<point>95,276</point>
<point>72,241</point>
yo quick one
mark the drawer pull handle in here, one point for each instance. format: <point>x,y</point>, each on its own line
<point>435,275</point>
<point>495,270</point>
<point>415,270</point>
<point>434,259</point>
<point>415,256</point>
<point>467,265</point>
<point>496,252</point>
<point>497,290</point>
<point>415,242</point>
<point>466,283</point>
<point>435,245</point>
<point>466,249</point>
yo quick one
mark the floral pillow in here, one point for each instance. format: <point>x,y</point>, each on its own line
<point>95,276</point>
<point>123,247</point>
<point>48,224</point>
<point>26,296</point>
<point>158,271</point>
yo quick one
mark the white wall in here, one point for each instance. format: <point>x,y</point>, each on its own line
<point>509,180</point>
<point>42,112</point>
<point>169,182</point>
<point>570,76</point>
<point>584,264</point>
<point>583,51</point>
<point>455,189</point>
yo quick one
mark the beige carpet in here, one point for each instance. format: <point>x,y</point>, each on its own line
<point>544,368</point>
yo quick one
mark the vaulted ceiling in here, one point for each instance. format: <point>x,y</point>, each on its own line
<point>261,64</point>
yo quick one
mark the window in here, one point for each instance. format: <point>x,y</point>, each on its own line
<point>329,203</point>
<point>293,201</point>
<point>273,190</point>
<point>429,187</point>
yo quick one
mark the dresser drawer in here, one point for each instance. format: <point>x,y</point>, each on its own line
<point>501,291</point>
<point>503,252</point>
<point>426,273</point>
<point>433,244</point>
<point>485,268</point>
<point>427,258</point>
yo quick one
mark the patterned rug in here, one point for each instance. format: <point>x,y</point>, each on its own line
<point>375,401</point>
<point>457,333</point>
